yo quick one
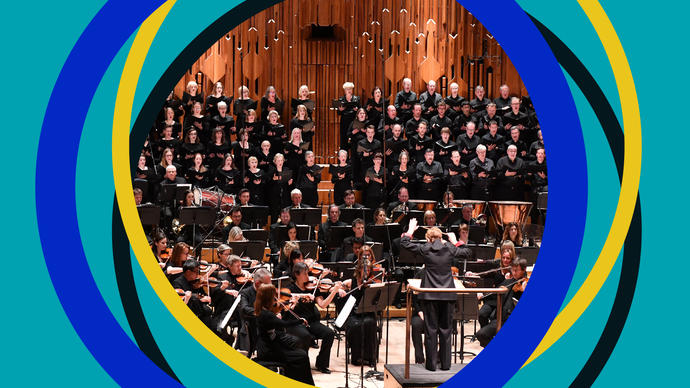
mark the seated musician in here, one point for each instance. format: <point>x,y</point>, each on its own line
<point>194,291</point>
<point>516,286</point>
<point>283,220</point>
<point>173,267</point>
<point>305,307</point>
<point>466,218</point>
<point>223,301</point>
<point>324,232</point>
<point>498,276</point>
<point>244,195</point>
<point>401,204</point>
<point>248,333</point>
<point>138,196</point>
<point>349,201</point>
<point>358,229</point>
<point>296,198</point>
<point>284,268</point>
<point>429,218</point>
<point>274,344</point>
<point>233,267</point>
<point>235,235</point>
<point>513,233</point>
<point>171,177</point>
<point>361,328</point>
<point>236,217</point>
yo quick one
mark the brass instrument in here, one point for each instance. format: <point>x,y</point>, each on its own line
<point>226,221</point>
<point>176,226</point>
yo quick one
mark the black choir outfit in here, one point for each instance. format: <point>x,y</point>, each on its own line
<point>478,105</point>
<point>431,190</point>
<point>294,155</point>
<point>188,102</point>
<point>460,124</point>
<point>375,111</point>
<point>267,106</point>
<point>198,178</point>
<point>279,188</point>
<point>495,146</point>
<point>187,152</point>
<point>412,124</point>
<point>468,147</point>
<point>502,105</point>
<point>521,146</point>
<point>453,105</point>
<point>256,182</point>
<point>374,192</point>
<point>241,152</point>
<point>520,118</point>
<point>225,123</point>
<point>458,184</point>
<point>485,119</point>
<point>342,179</point>
<point>240,108</point>
<point>212,104</point>
<point>347,116</point>
<point>429,102</point>
<point>396,145</point>
<point>200,124</point>
<point>275,134</point>
<point>395,181</point>
<point>481,186</point>
<point>437,122</point>
<point>408,99</point>
<point>308,187</point>
<point>307,127</point>
<point>509,188</point>
<point>443,151</point>
<point>228,180</point>
<point>215,154</point>
<point>418,146</point>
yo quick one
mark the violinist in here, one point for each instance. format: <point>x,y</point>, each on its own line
<point>489,306</point>
<point>247,336</point>
<point>363,347</point>
<point>284,268</point>
<point>188,282</point>
<point>160,248</point>
<point>516,286</point>
<point>305,307</point>
<point>437,307</point>
<point>173,267</point>
<point>274,344</point>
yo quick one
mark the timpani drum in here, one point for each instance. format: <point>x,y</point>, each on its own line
<point>504,212</point>
<point>203,197</point>
<point>422,204</point>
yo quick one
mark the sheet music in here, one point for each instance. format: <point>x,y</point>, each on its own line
<point>345,312</point>
<point>226,319</point>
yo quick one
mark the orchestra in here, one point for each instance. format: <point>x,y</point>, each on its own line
<point>422,160</point>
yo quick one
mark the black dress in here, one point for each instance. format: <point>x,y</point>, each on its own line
<point>275,134</point>
<point>346,117</point>
<point>215,154</point>
<point>361,332</point>
<point>187,152</point>
<point>188,102</point>
<point>395,182</point>
<point>374,192</point>
<point>274,344</point>
<point>279,189</point>
<point>200,124</point>
<point>241,154</point>
<point>458,184</point>
<point>340,185</point>
<point>198,178</point>
<point>225,123</point>
<point>228,180</point>
<point>257,187</point>
<point>294,155</point>
<point>212,104</point>
<point>309,188</point>
<point>307,136</point>
<point>266,106</point>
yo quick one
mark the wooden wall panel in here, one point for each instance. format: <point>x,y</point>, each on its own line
<point>383,41</point>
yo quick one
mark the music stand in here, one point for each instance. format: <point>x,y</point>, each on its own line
<point>197,215</point>
<point>385,233</point>
<point>409,257</point>
<point>256,235</point>
<point>419,215</point>
<point>174,192</point>
<point>344,268</point>
<point>308,248</point>
<point>388,294</point>
<point>541,200</point>
<point>349,215</point>
<point>252,249</point>
<point>306,216</point>
<point>372,298</point>
<point>337,234</point>
<point>528,253</point>
<point>255,215</point>
<point>480,266</point>
<point>477,234</point>
<point>376,247</point>
<point>149,214</point>
<point>448,216</point>
<point>466,308</point>
<point>281,234</point>
<point>483,252</point>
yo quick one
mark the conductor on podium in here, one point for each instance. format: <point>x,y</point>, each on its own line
<point>436,307</point>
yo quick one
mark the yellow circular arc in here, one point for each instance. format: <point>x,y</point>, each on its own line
<point>132,224</point>
<point>629,185</point>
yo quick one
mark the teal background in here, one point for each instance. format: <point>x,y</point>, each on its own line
<point>40,346</point>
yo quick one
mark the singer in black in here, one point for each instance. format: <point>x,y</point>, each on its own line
<point>436,307</point>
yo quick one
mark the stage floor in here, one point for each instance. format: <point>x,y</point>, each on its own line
<point>419,375</point>
<point>396,355</point>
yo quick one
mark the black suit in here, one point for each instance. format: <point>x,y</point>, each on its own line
<point>437,307</point>
<point>324,237</point>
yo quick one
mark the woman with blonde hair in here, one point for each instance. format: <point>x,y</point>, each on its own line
<point>349,104</point>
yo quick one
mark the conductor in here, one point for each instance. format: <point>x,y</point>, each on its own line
<point>436,307</point>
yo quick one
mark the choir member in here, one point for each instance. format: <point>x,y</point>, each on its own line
<point>143,171</point>
<point>479,102</point>
<point>256,181</point>
<point>357,129</point>
<point>361,328</point>
<point>279,185</point>
<point>270,103</point>
<point>537,171</point>
<point>294,150</point>
<point>412,124</point>
<point>366,148</point>
<point>265,156</point>
<point>223,120</point>
<point>402,175</point>
<point>349,105</point>
<point>515,118</point>
<point>494,142</point>
<point>190,97</point>
<point>404,100</point>
<point>167,159</point>
<point>516,140</point>
<point>197,174</point>
<point>374,190</point>
<point>444,146</point>
<point>390,120</point>
<point>308,180</point>
<point>191,146</point>
<point>173,103</point>
<point>458,176</point>
<point>196,120</point>
<point>440,120</point>
<point>374,107</point>
<point>303,99</point>
<point>305,307</point>
<point>481,169</point>
<point>509,177</point>
<point>242,149</point>
<point>304,122</point>
<point>535,146</point>
<point>453,100</point>
<point>429,100</point>
<point>467,143</point>
<point>274,131</point>
<point>341,177</point>
<point>217,149</point>
<point>461,120</point>
<point>253,128</point>
<point>216,98</point>
<point>242,105</point>
<point>228,178</point>
<point>429,177</point>
<point>395,144</point>
<point>485,119</point>
<point>503,100</point>
<point>420,142</point>
<point>171,123</point>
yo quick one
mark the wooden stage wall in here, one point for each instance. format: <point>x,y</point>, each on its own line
<point>377,42</point>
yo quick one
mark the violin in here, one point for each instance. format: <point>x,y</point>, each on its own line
<point>317,269</point>
<point>165,254</point>
<point>455,272</point>
<point>520,284</point>
<point>283,307</point>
